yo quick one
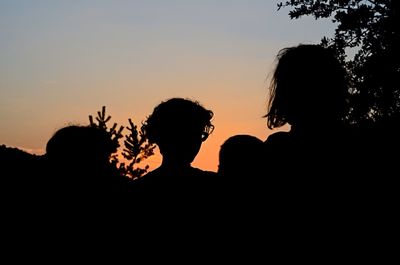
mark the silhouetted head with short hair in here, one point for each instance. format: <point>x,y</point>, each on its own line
<point>240,156</point>
<point>79,175</point>
<point>80,148</point>
<point>179,126</point>
<point>308,88</point>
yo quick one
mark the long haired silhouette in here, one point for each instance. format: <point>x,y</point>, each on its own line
<point>308,88</point>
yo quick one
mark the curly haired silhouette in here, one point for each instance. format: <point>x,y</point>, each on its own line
<point>179,127</point>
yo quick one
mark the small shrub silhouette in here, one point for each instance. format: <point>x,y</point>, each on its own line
<point>136,146</point>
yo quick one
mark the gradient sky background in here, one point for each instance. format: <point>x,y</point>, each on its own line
<point>63,60</point>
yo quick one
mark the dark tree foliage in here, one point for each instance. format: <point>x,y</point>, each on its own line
<point>370,28</point>
<point>136,147</point>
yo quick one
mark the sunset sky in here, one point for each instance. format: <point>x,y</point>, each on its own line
<point>63,60</point>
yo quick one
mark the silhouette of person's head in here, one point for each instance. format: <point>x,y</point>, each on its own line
<point>83,149</point>
<point>240,155</point>
<point>179,126</point>
<point>308,88</point>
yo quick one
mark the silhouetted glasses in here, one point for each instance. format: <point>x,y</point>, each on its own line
<point>207,131</point>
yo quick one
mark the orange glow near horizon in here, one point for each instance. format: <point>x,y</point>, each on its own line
<point>61,61</point>
<point>226,125</point>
